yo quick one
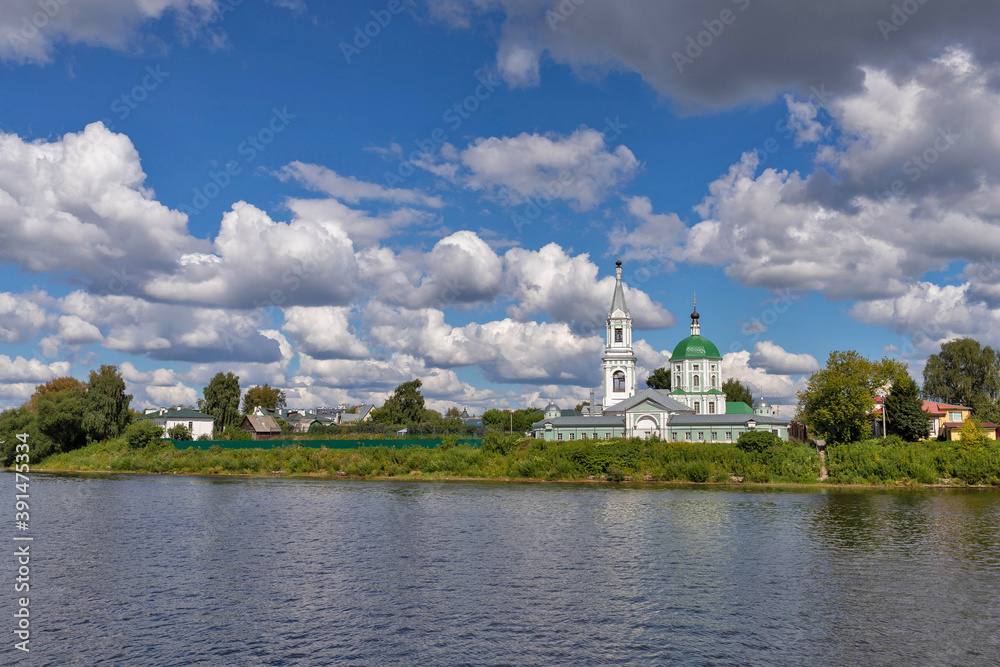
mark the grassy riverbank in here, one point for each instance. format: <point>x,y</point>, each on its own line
<point>869,462</point>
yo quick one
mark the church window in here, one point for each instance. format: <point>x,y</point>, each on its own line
<point>607,436</point>
<point>677,381</point>
<point>697,381</point>
<point>687,436</point>
<point>618,335</point>
<point>595,436</point>
<point>677,367</point>
<point>619,381</point>
<point>696,367</point>
<point>701,435</point>
<point>711,408</point>
<point>558,436</point>
<point>583,437</point>
<point>572,436</point>
<point>697,407</point>
<point>729,436</point>
<point>713,382</point>
<point>714,436</point>
<point>713,367</point>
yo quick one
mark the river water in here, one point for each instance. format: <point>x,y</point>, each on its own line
<point>137,570</point>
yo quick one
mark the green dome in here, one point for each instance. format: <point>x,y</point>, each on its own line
<point>695,347</point>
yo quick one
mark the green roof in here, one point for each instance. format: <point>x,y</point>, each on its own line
<point>738,408</point>
<point>695,347</point>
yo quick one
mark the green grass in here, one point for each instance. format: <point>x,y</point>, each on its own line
<point>870,462</point>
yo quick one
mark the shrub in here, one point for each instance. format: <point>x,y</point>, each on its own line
<point>204,437</point>
<point>179,432</point>
<point>757,441</point>
<point>495,443</point>
<point>698,471</point>
<point>235,433</point>
<point>142,433</point>
<point>448,442</point>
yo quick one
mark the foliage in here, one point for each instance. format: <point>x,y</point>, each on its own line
<point>972,436</point>
<point>580,406</point>
<point>496,419</point>
<point>106,410</point>
<point>264,396</point>
<point>13,422</point>
<point>757,441</point>
<point>54,386</point>
<point>179,432</point>
<point>499,444</point>
<point>59,417</point>
<point>222,400</point>
<point>736,391</point>
<point>235,433</point>
<point>659,379</point>
<point>453,413</point>
<point>965,373</point>
<point>142,433</point>
<point>406,405</point>
<point>904,412</point>
<point>838,399</point>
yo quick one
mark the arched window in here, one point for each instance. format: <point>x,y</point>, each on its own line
<point>697,382</point>
<point>618,335</point>
<point>618,381</point>
<point>677,381</point>
<point>711,408</point>
<point>713,382</point>
<point>697,408</point>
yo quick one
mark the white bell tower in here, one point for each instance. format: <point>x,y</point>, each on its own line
<point>619,358</point>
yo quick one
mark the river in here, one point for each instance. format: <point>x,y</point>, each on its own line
<point>148,570</point>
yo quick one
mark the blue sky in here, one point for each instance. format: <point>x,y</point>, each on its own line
<point>200,185</point>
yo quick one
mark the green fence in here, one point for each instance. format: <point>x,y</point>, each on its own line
<point>395,443</point>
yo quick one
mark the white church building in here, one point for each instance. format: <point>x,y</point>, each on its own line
<point>693,410</point>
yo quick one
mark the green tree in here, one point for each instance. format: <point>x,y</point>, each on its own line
<point>839,398</point>
<point>222,400</point>
<point>142,433</point>
<point>496,419</point>
<point>736,391</point>
<point>525,417</point>
<point>659,379</point>
<point>972,435</point>
<point>757,441</point>
<point>60,418</point>
<point>580,406</point>
<point>179,432</point>
<point>904,412</point>
<point>965,373</point>
<point>13,422</point>
<point>264,396</point>
<point>405,406</point>
<point>106,410</point>
<point>453,413</point>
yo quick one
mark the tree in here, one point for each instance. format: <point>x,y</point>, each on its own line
<point>659,379</point>
<point>142,433</point>
<point>13,422</point>
<point>838,399</point>
<point>405,406</point>
<point>525,417</point>
<point>179,432</point>
<point>53,386</point>
<point>580,406</point>
<point>757,441</point>
<point>453,413</point>
<point>904,412</point>
<point>106,406</point>
<point>264,396</point>
<point>498,419</point>
<point>972,435</point>
<point>222,400</point>
<point>965,373</point>
<point>736,391</point>
<point>60,418</point>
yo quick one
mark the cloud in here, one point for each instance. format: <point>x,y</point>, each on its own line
<point>22,370</point>
<point>655,240</point>
<point>742,60</point>
<point>775,386</point>
<point>566,287</point>
<point>21,315</point>
<point>774,360</point>
<point>579,168</point>
<point>324,332</point>
<point>350,189</point>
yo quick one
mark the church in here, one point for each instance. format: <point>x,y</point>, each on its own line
<point>693,410</point>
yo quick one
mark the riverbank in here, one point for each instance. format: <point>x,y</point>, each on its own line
<point>866,463</point>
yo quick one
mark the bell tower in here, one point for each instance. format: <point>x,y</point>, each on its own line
<point>619,358</point>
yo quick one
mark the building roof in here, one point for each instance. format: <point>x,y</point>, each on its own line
<point>618,300</point>
<point>176,413</point>
<point>738,408</point>
<point>661,396</point>
<point>760,403</point>
<point>551,407</point>
<point>606,420</point>
<point>935,408</point>
<point>695,347</point>
<point>734,420</point>
<point>263,423</point>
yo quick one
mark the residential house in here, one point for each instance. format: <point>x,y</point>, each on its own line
<point>261,427</point>
<point>198,423</point>
<point>363,414</point>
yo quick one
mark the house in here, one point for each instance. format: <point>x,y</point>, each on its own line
<point>261,427</point>
<point>198,423</point>
<point>363,414</point>
<point>944,420</point>
<point>694,409</point>
<point>301,421</point>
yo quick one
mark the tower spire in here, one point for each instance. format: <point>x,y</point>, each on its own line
<point>695,327</point>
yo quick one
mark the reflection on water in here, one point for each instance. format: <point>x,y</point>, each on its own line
<point>183,570</point>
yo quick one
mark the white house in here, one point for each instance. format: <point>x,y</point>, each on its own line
<point>197,422</point>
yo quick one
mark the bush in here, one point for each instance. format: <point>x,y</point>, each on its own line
<point>757,441</point>
<point>495,443</point>
<point>204,436</point>
<point>179,432</point>
<point>142,433</point>
<point>235,433</point>
<point>448,443</point>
